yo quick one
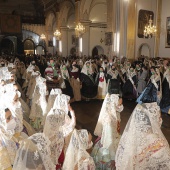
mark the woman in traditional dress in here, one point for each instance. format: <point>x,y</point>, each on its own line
<point>153,90</point>
<point>102,84</point>
<point>77,158</point>
<point>53,130</point>
<point>143,145</point>
<point>89,88</point>
<point>66,87</point>
<point>165,101</point>
<point>108,132</point>
<point>11,135</point>
<point>39,103</point>
<point>34,154</point>
<point>51,99</point>
<point>142,75</point>
<point>8,149</point>
<point>129,88</point>
<point>75,81</point>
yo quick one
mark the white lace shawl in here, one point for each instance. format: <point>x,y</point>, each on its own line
<point>109,109</point>
<point>8,143</point>
<point>61,102</point>
<point>143,145</point>
<point>34,153</point>
<point>107,125</point>
<point>86,70</point>
<point>113,74</point>
<point>51,98</point>
<point>76,155</point>
<point>39,103</point>
<point>53,130</point>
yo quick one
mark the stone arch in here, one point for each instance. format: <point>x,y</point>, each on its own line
<point>86,7</point>
<point>97,50</point>
<point>40,50</point>
<point>50,20</point>
<point>144,49</point>
<point>29,46</point>
<point>7,45</point>
<point>66,8</point>
<point>98,12</point>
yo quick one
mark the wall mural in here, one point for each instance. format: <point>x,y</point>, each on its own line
<point>167,43</point>
<point>10,24</point>
<point>108,38</point>
<point>75,41</point>
<point>143,20</point>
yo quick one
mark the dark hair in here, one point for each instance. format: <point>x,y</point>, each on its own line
<point>114,87</point>
<point>6,110</point>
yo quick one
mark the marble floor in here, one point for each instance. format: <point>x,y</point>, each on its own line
<point>87,113</point>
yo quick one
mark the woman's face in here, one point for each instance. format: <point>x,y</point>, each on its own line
<point>88,65</point>
<point>101,69</point>
<point>64,67</point>
<point>152,71</point>
<point>131,69</point>
<point>113,68</point>
<point>8,116</point>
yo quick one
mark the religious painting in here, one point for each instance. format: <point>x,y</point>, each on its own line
<point>75,41</point>
<point>143,20</point>
<point>108,38</point>
<point>167,38</point>
<point>10,24</point>
<point>50,43</point>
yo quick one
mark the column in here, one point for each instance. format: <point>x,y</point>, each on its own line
<point>86,38</point>
<point>111,24</point>
<point>158,25</point>
<point>63,45</point>
<point>49,37</point>
<point>131,29</point>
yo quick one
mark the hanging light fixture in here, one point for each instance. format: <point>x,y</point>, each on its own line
<point>79,30</point>
<point>57,34</point>
<point>150,29</point>
<point>43,36</point>
<point>101,40</point>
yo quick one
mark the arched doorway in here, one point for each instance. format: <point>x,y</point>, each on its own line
<point>73,51</point>
<point>29,46</point>
<point>40,50</point>
<point>97,50</point>
<point>144,50</point>
<point>7,46</point>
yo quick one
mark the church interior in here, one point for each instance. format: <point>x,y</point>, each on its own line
<point>84,84</point>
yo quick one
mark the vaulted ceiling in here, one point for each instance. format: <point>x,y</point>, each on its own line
<point>31,11</point>
<point>29,7</point>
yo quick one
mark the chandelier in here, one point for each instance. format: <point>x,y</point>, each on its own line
<point>43,36</point>
<point>57,33</point>
<point>79,30</point>
<point>150,29</point>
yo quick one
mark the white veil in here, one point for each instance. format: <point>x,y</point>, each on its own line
<point>143,145</point>
<point>110,103</point>
<point>77,156</point>
<point>107,127</point>
<point>86,70</point>
<point>61,102</point>
<point>34,153</point>
<point>53,130</point>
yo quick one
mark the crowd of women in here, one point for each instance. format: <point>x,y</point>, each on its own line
<point>38,125</point>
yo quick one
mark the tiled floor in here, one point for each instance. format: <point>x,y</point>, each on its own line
<point>87,113</point>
